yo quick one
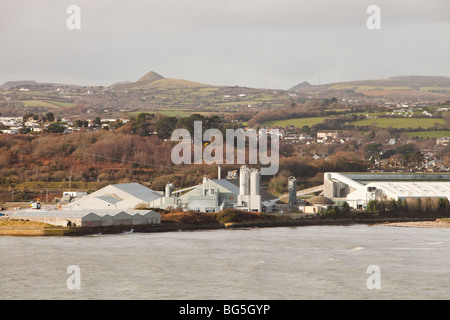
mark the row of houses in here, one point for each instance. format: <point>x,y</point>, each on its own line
<point>15,125</point>
<point>289,135</point>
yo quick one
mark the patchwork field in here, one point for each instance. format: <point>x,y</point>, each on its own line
<point>45,104</point>
<point>400,123</point>
<point>296,122</point>
<point>430,134</point>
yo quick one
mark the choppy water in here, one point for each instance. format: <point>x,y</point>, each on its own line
<point>318,262</point>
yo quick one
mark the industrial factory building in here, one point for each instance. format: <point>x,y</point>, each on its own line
<point>213,195</point>
<point>210,196</point>
<point>357,189</point>
<point>116,204</point>
<point>124,196</point>
<point>89,218</point>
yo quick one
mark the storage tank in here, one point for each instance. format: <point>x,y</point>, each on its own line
<point>205,181</point>
<point>292,191</point>
<point>169,188</point>
<point>254,182</point>
<point>244,181</point>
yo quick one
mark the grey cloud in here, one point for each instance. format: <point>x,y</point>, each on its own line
<point>257,43</point>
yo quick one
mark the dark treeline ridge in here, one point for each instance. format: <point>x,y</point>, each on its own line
<point>90,160</point>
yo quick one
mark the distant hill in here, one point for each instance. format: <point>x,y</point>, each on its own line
<point>300,85</point>
<point>150,77</point>
<point>27,83</point>
<point>120,83</point>
<point>401,87</point>
<point>413,82</point>
<point>406,82</point>
<point>11,84</point>
<point>153,80</point>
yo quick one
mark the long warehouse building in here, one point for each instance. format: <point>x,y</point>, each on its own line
<point>89,218</point>
<point>357,189</point>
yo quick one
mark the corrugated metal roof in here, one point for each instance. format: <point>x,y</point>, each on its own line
<point>54,213</point>
<point>108,199</point>
<point>123,196</point>
<point>414,189</point>
<point>77,213</point>
<point>227,185</point>
<point>138,191</point>
<point>141,212</point>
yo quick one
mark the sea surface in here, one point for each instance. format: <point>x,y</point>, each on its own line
<point>286,263</point>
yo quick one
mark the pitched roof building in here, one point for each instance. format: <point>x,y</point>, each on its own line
<point>123,196</point>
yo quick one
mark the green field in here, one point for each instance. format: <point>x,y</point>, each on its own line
<point>427,89</point>
<point>398,123</point>
<point>429,134</point>
<point>182,114</point>
<point>38,103</point>
<point>401,123</point>
<point>296,122</point>
<point>173,113</point>
<point>62,104</point>
<point>46,103</point>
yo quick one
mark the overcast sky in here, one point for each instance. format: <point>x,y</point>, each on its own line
<point>254,43</point>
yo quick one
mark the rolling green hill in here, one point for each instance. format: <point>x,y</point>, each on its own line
<point>154,93</point>
<point>404,87</point>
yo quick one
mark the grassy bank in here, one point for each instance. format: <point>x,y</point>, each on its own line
<point>227,219</point>
<point>31,228</point>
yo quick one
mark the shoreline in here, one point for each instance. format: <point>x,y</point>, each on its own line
<point>438,223</point>
<point>177,226</point>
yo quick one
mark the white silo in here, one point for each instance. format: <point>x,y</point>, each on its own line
<point>244,181</point>
<point>292,191</point>
<point>254,182</point>
<point>169,188</point>
<point>205,181</point>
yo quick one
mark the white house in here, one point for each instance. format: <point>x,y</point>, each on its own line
<point>444,141</point>
<point>333,134</point>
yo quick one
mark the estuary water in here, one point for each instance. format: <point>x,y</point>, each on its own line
<point>314,262</point>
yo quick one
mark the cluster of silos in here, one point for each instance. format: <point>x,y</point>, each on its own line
<point>249,185</point>
<point>249,181</point>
